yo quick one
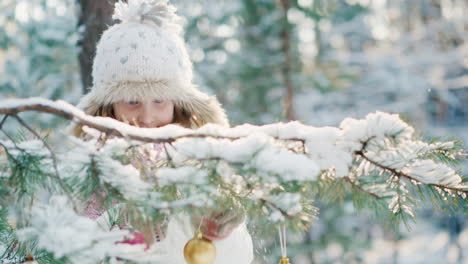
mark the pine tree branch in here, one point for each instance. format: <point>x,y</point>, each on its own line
<point>36,107</point>
<point>357,186</point>
<point>284,213</point>
<point>90,121</point>
<point>10,250</point>
<point>403,175</point>
<point>169,157</point>
<point>12,141</point>
<point>22,150</point>
<point>5,148</point>
<point>54,160</point>
<point>3,121</point>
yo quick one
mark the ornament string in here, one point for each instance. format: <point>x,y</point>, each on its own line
<point>282,237</point>
<point>199,226</point>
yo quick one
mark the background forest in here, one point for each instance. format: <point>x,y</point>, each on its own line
<point>316,61</point>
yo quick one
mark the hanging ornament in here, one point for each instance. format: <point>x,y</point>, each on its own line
<point>199,250</point>
<point>282,236</point>
<point>29,260</point>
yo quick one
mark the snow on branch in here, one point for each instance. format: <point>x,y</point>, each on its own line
<point>259,158</point>
<point>61,231</point>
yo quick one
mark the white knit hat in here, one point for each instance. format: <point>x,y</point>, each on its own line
<point>145,56</point>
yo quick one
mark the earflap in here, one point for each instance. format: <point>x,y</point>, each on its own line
<point>205,110</point>
<point>90,106</point>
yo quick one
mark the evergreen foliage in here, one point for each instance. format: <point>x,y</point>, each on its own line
<point>274,173</point>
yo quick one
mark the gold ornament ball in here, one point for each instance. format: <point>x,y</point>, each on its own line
<point>199,250</point>
<point>29,260</point>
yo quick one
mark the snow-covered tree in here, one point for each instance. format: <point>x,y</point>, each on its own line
<point>38,51</point>
<point>348,58</point>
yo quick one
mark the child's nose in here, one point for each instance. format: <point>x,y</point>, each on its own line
<point>146,118</point>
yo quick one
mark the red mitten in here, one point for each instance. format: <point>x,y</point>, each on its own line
<point>212,231</point>
<point>219,224</point>
<point>138,238</point>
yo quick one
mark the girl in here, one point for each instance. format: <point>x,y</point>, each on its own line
<point>142,75</point>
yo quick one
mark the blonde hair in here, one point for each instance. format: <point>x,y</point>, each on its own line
<point>181,117</point>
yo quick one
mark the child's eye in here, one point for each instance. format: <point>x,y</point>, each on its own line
<point>158,101</point>
<point>132,102</point>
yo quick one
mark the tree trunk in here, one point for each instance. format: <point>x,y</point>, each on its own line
<point>96,16</point>
<point>286,69</point>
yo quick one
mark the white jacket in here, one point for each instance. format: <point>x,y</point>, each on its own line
<point>237,248</point>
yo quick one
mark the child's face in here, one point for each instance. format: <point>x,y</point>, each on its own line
<point>145,113</point>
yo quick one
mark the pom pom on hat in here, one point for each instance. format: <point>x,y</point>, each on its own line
<point>158,12</point>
